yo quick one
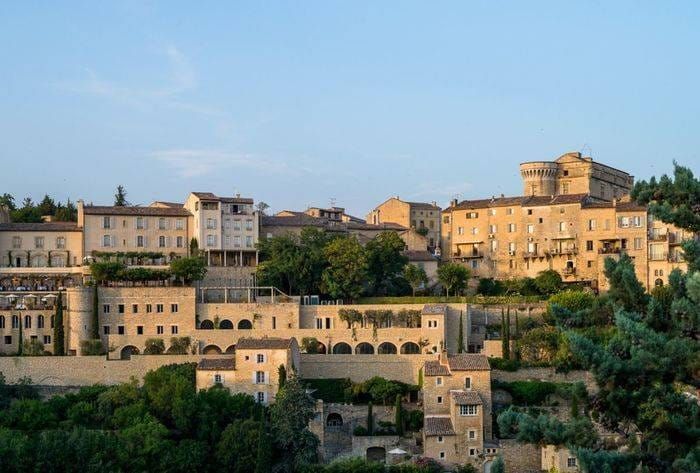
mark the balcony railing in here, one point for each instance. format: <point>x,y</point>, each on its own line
<point>658,256</point>
<point>658,237</point>
<point>569,271</point>
<point>609,251</point>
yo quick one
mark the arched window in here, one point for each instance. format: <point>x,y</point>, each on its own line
<point>410,348</point>
<point>2,321</point>
<point>15,321</point>
<point>659,282</point>
<point>40,321</point>
<point>52,319</point>
<point>364,348</point>
<point>334,420</point>
<point>226,325</point>
<point>342,348</point>
<point>386,348</point>
<point>27,321</point>
<point>206,325</point>
<point>245,325</point>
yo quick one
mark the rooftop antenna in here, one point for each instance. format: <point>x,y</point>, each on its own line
<point>333,201</point>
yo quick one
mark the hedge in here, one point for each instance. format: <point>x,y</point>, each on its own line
<point>486,300</point>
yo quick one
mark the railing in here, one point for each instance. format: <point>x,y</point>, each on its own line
<point>569,271</point>
<point>658,256</point>
<point>609,251</point>
<point>659,237</point>
<point>676,258</point>
<point>532,254</point>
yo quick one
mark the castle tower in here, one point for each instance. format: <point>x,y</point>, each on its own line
<point>539,178</point>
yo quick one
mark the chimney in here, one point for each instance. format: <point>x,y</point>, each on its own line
<point>81,214</point>
<point>453,203</point>
<point>614,202</point>
<point>442,357</point>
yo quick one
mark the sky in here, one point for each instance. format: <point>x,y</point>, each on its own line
<point>318,102</point>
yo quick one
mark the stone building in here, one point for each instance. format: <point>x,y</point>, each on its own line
<point>457,409</point>
<point>253,369</point>
<point>421,216</point>
<point>558,458</point>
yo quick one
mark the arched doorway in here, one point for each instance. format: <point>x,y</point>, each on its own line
<point>245,325</point>
<point>226,325</point>
<point>386,348</point>
<point>206,325</point>
<point>364,348</point>
<point>410,348</point>
<point>659,282</point>
<point>231,350</point>
<point>127,351</point>
<point>211,350</point>
<point>342,348</point>
<point>376,454</point>
<point>321,349</point>
<point>334,420</point>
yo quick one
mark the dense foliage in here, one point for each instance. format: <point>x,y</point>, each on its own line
<point>30,212</point>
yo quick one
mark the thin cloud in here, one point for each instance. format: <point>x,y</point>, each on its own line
<point>189,163</point>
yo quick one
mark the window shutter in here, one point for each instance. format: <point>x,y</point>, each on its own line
<point>112,241</point>
<point>254,379</point>
<point>167,241</point>
<point>145,241</point>
<point>267,377</point>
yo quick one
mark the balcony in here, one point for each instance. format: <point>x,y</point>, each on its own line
<point>532,254</point>
<point>470,254</point>
<point>568,271</point>
<point>609,251</point>
<point>562,251</point>
<point>676,258</point>
<point>659,256</point>
<point>658,236</point>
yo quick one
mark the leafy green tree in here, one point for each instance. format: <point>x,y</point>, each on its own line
<point>8,201</point>
<point>346,273</point>
<point>548,282</point>
<point>120,197</point>
<point>194,247</point>
<point>290,416</point>
<point>237,451</point>
<point>154,346</point>
<point>453,276</point>
<point>281,376</point>
<point>625,288</point>
<point>47,206</point>
<point>189,269</point>
<point>416,276</point>
<point>498,466</point>
<point>263,461</point>
<point>385,263</point>
<point>311,260</point>
<point>279,263</point>
<point>59,338</point>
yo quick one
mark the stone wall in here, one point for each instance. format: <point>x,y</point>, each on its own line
<point>520,457</point>
<point>360,368</point>
<point>546,374</point>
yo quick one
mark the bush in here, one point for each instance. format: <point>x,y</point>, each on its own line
<point>154,346</point>
<point>572,300</point>
<point>310,345</point>
<point>179,345</point>
<point>503,364</point>
<point>91,347</point>
<point>33,348</point>
<point>414,420</point>
<point>360,431</point>
<point>548,282</point>
<point>527,393</point>
<point>490,287</point>
<point>189,269</point>
<point>330,389</point>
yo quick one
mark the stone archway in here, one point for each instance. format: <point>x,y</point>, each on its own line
<point>386,348</point>
<point>245,325</point>
<point>226,325</point>
<point>127,351</point>
<point>364,348</point>
<point>334,420</point>
<point>410,348</point>
<point>231,350</point>
<point>211,350</point>
<point>206,325</point>
<point>342,348</point>
<point>376,454</point>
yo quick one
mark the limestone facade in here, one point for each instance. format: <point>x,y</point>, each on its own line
<point>414,215</point>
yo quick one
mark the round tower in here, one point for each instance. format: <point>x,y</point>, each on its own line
<point>539,177</point>
<point>79,317</point>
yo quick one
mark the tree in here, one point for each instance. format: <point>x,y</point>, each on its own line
<point>120,197</point>
<point>311,260</point>
<point>8,201</point>
<point>237,450</point>
<point>548,282</point>
<point>498,466</point>
<point>416,276</point>
<point>189,269</point>
<point>398,416</point>
<point>625,288</point>
<point>47,206</point>
<point>346,272</point>
<point>370,419</point>
<point>281,376</point>
<point>460,335</point>
<point>154,346</point>
<point>59,341</point>
<point>453,276</point>
<point>263,461</point>
<point>194,247</point>
<point>261,207</point>
<point>279,263</point>
<point>290,416</point>
<point>385,263</point>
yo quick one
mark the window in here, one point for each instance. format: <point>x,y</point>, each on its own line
<point>571,462</point>
<point>468,410</point>
<point>467,383</point>
<point>60,242</point>
<point>159,308</point>
<point>248,224</point>
<point>173,308</point>
<point>446,219</point>
<point>105,329</point>
<point>475,231</point>
<point>8,339</point>
<point>261,397</point>
<point>249,242</point>
<point>591,224</point>
<point>211,240</point>
<point>173,329</point>
<point>509,211</point>
<point>159,329</point>
<point>259,377</point>
<point>472,435</point>
<point>494,245</point>
<point>162,224</point>
<point>161,241</point>
<point>139,223</point>
<point>511,247</point>
<point>134,308</point>
<point>211,224</point>
<point>47,339</point>
<point>236,224</point>
<point>260,358</point>
<point>218,379</point>
<point>16,242</point>
<point>140,241</point>
<point>589,264</point>
<point>493,228</point>
<point>105,308</point>
<point>120,329</point>
<point>139,330</point>
<point>472,214</point>
<point>512,228</point>
<point>149,308</point>
<point>432,323</point>
<point>562,226</point>
<point>565,188</point>
<point>529,211</point>
<point>237,241</point>
<point>439,399</point>
<point>120,308</point>
<point>589,245</point>
<point>179,224</point>
<point>442,455</point>
<point>472,452</point>
<point>38,242</point>
<point>460,230</point>
<point>440,439</point>
<point>638,243</point>
<point>106,240</point>
<point>530,228</point>
<point>492,212</point>
<point>179,242</point>
<point>106,222</point>
<point>438,381</point>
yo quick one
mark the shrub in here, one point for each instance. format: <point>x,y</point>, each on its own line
<point>414,420</point>
<point>154,346</point>
<point>310,345</point>
<point>548,282</point>
<point>91,347</point>
<point>503,364</point>
<point>33,348</point>
<point>360,431</point>
<point>179,345</point>
<point>330,389</point>
<point>572,300</point>
<point>527,393</point>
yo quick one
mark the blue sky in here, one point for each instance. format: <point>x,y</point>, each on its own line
<point>295,103</point>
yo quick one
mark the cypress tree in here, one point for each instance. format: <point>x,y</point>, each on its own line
<point>574,407</point>
<point>282,375</point>
<point>506,339</point>
<point>95,315</point>
<point>370,419</point>
<point>263,460</point>
<point>20,350</point>
<point>460,335</point>
<point>504,335</point>
<point>398,416</point>
<point>59,342</point>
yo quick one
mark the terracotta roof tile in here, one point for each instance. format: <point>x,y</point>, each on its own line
<point>524,201</point>
<point>466,397</point>
<point>217,364</point>
<point>40,227</point>
<point>263,343</point>
<point>133,210</point>
<point>434,368</point>
<point>468,362</point>
<point>438,426</point>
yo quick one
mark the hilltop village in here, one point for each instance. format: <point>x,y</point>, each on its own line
<point>433,361</point>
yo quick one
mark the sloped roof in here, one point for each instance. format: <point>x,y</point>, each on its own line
<point>434,309</point>
<point>466,397</point>
<point>263,343</point>
<point>227,200</point>
<point>134,210</point>
<point>40,227</point>
<point>468,362</point>
<point>438,426</point>
<point>523,201</point>
<point>434,368</point>
<point>217,364</point>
